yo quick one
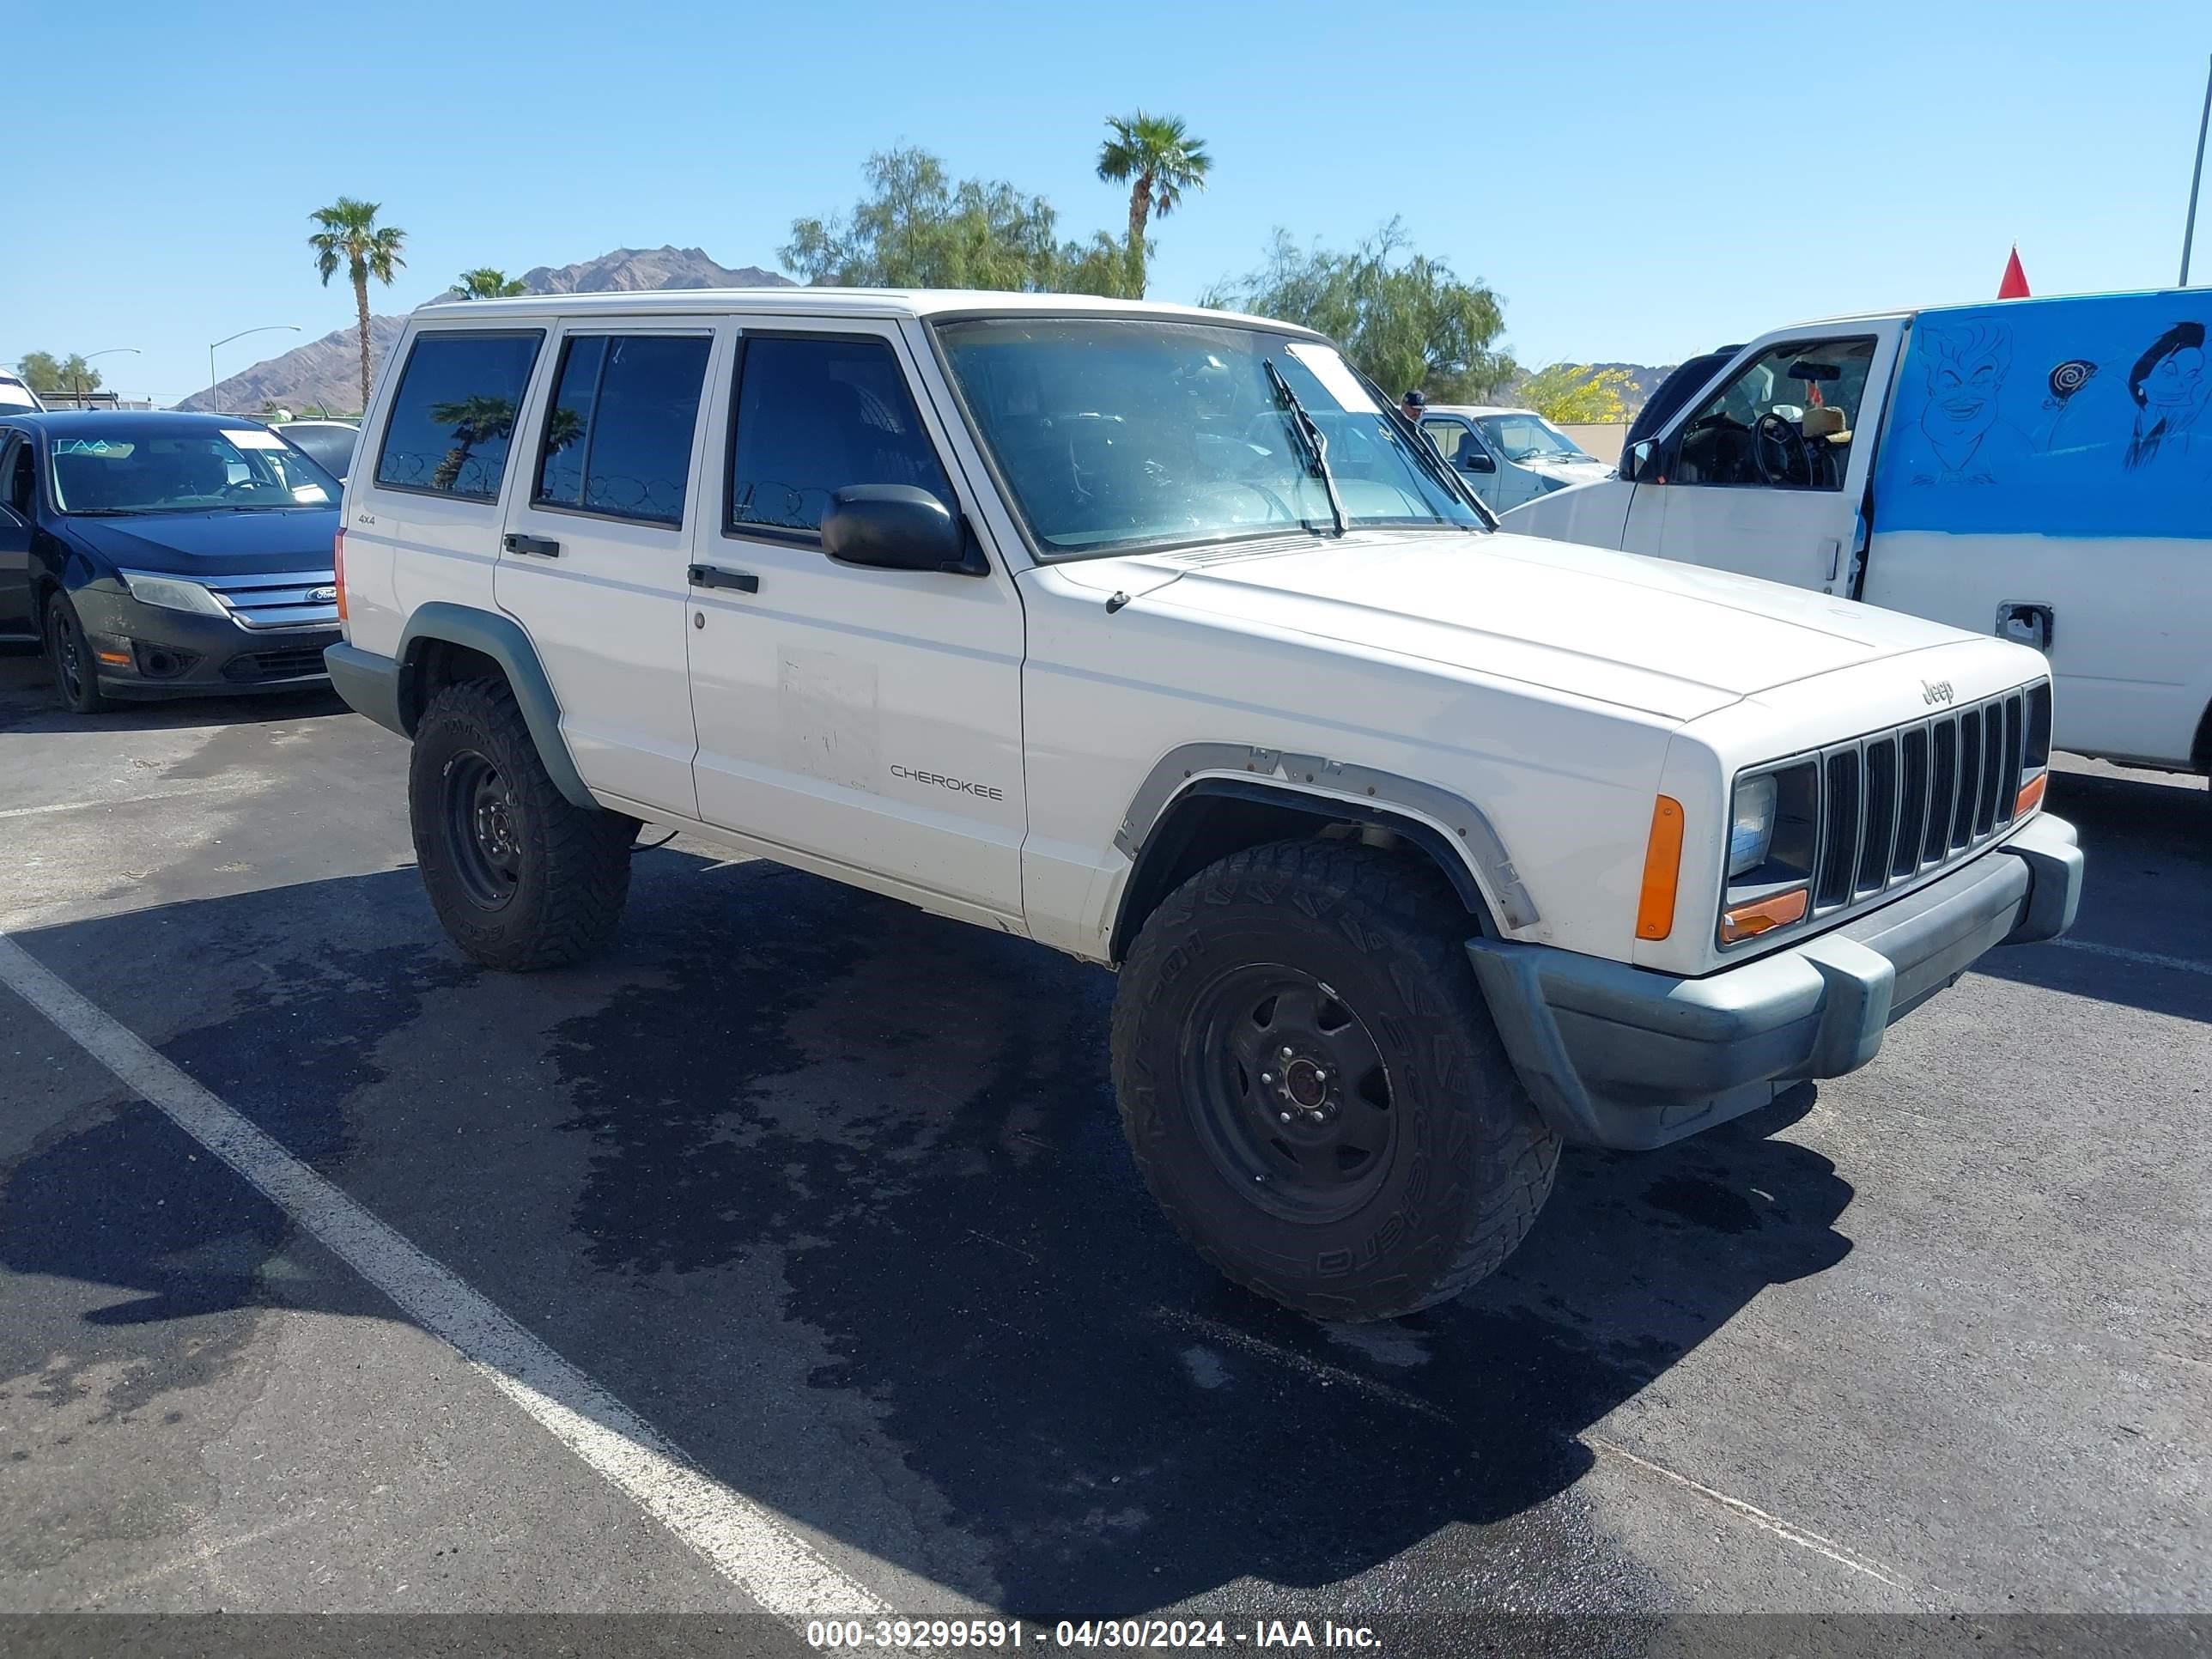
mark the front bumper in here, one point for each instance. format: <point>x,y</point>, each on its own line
<point>181,654</point>
<point>1620,1056</point>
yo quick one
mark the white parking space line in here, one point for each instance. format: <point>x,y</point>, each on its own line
<point>2147,959</point>
<point>749,1544</point>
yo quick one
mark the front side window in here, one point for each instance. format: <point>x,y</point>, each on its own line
<point>122,467</point>
<point>1525,436</point>
<point>19,478</point>
<point>1447,436</point>
<point>817,413</point>
<point>618,437</point>
<point>453,416</point>
<point>1116,434</point>
<point>1785,419</point>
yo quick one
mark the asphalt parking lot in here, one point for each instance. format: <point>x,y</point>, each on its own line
<point>829,1197</point>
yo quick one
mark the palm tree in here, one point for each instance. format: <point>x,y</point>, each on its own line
<point>1158,154</point>
<point>485,283</point>
<point>351,236</point>
<point>474,420</point>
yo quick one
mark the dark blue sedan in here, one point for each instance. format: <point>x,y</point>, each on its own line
<point>164,555</point>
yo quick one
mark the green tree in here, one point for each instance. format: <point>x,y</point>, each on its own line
<point>1159,159</point>
<point>44,372</point>
<point>917,228</point>
<point>485,283</point>
<point>1405,320</point>
<point>1573,393</point>
<point>351,237</point>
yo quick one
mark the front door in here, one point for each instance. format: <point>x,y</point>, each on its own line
<point>1456,441</point>
<point>1765,476</point>
<point>870,718</point>
<point>597,542</point>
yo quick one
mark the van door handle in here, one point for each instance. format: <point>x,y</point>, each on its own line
<point>535,544</point>
<point>708,576</point>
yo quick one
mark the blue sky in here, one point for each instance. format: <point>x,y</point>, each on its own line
<point>1637,182</point>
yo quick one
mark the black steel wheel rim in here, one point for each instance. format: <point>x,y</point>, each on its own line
<point>69,656</point>
<point>480,830</point>
<point>1293,1102</point>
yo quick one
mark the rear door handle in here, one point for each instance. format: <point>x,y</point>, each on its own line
<point>708,576</point>
<point>536,544</point>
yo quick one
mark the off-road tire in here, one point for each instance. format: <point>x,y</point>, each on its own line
<point>1469,1162</point>
<point>59,633</point>
<point>571,870</point>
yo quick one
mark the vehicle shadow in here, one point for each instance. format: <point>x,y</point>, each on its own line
<point>791,1130</point>
<point>2146,900</point>
<point>29,703</point>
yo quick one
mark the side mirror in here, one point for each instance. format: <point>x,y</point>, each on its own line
<point>896,527</point>
<point>1472,460</point>
<point>1637,460</point>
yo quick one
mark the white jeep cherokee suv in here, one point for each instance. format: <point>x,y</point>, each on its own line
<point>1155,635</point>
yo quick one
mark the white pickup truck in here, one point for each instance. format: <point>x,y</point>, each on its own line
<point>1154,636</point>
<point>2037,469</point>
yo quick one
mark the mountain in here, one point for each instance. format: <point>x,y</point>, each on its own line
<point>326,373</point>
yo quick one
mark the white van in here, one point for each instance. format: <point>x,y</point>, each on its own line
<point>1509,456</point>
<point>15,397</point>
<point>2037,469</point>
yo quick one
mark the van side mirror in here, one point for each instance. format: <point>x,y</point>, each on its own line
<point>1637,460</point>
<point>896,527</point>
<point>1474,460</point>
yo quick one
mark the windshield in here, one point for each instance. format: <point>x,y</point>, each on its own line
<point>1530,437</point>
<point>130,468</point>
<point>14,394</point>
<point>1117,433</point>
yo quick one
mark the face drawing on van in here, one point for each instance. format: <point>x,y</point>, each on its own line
<point>1967,435</point>
<point>2171,390</point>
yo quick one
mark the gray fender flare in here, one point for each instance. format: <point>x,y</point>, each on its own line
<point>502,640</point>
<point>1364,793</point>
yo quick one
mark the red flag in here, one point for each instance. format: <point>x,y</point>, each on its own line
<point>2015,285</point>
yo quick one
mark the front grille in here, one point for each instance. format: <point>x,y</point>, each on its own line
<point>286,600</point>
<point>1898,803</point>
<point>260,667</point>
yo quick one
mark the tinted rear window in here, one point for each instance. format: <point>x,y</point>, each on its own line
<point>453,417</point>
<point>618,437</point>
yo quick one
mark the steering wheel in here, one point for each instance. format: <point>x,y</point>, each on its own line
<point>1790,463</point>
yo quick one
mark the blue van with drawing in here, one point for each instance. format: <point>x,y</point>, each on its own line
<point>2040,469</point>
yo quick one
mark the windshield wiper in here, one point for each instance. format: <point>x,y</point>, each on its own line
<point>1316,442</point>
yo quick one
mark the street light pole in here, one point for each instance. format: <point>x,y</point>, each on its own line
<point>266,328</point>
<point>2203,121</point>
<point>79,378</point>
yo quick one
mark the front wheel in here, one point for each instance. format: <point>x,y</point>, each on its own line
<point>1313,1089</point>
<point>69,656</point>
<point>520,876</point>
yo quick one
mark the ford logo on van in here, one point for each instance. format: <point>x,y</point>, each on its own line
<point>1935,691</point>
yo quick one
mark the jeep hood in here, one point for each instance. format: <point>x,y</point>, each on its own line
<point>1672,640</point>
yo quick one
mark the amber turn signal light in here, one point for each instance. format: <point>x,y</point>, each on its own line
<point>338,571</point>
<point>2031,795</point>
<point>1662,869</point>
<point>1763,915</point>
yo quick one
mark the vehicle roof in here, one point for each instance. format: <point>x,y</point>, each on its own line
<point>348,426</point>
<point>64,420</point>
<point>872,303</point>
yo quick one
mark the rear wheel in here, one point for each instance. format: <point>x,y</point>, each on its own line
<point>1313,1088</point>
<point>69,656</point>
<point>520,876</point>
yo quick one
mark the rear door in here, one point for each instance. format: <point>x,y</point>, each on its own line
<point>596,541</point>
<point>1766,474</point>
<point>867,719</point>
<point>18,510</point>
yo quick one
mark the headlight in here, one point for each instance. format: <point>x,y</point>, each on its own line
<point>173,593</point>
<point>1751,826</point>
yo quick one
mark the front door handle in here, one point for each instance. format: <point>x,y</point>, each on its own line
<point>533,544</point>
<point>708,576</point>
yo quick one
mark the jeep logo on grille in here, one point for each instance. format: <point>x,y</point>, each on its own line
<point>1935,691</point>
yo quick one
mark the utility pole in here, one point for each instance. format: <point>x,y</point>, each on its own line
<point>2196,178</point>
